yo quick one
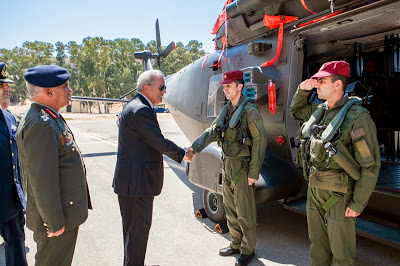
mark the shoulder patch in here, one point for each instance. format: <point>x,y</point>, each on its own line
<point>357,133</point>
<point>253,110</point>
<point>256,115</point>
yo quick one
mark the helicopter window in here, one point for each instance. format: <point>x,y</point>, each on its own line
<point>216,96</point>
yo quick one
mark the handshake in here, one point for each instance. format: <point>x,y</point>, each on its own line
<point>188,154</point>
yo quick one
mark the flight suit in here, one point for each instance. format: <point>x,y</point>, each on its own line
<point>243,155</point>
<point>57,191</point>
<point>332,235</point>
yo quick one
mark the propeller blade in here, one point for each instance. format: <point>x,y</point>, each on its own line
<point>167,50</point>
<point>158,38</point>
<point>159,62</point>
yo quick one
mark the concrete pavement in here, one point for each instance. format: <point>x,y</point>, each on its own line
<point>177,237</point>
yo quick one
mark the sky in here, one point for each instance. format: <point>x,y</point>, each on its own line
<point>51,21</point>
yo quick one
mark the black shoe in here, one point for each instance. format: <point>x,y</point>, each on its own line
<point>228,251</point>
<point>244,259</point>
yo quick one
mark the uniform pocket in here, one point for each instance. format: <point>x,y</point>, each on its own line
<point>71,199</point>
<point>363,153</point>
<point>75,207</point>
<point>338,210</point>
<point>329,180</point>
<point>317,150</point>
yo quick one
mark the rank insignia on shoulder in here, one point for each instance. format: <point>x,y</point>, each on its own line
<point>45,117</point>
<point>357,133</point>
<point>13,128</point>
<point>51,113</point>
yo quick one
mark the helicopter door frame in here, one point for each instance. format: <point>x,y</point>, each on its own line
<point>215,97</point>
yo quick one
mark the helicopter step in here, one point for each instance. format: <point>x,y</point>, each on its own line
<point>374,231</point>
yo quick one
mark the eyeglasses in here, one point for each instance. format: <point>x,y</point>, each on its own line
<point>161,88</point>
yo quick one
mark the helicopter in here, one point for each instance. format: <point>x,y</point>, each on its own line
<point>278,44</point>
<point>302,36</point>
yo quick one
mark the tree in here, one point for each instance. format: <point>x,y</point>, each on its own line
<point>98,67</point>
<point>182,56</point>
<point>61,56</point>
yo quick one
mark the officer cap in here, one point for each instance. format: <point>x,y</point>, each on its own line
<point>231,76</point>
<point>333,67</point>
<point>3,74</point>
<point>47,76</point>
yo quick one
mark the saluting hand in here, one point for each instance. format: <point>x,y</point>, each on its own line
<point>59,232</point>
<point>308,84</point>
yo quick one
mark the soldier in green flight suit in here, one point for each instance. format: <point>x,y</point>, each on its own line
<point>57,193</point>
<point>240,132</point>
<point>341,162</point>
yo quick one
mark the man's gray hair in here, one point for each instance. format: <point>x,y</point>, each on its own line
<point>147,78</point>
<point>33,90</point>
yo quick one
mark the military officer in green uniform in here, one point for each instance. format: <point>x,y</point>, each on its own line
<point>340,159</point>
<point>240,132</point>
<point>57,192</point>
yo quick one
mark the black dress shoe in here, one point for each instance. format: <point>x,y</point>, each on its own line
<point>244,259</point>
<point>228,251</point>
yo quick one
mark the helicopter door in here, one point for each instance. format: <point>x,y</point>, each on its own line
<point>216,97</point>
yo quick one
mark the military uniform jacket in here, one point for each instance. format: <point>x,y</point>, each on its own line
<point>12,199</point>
<point>51,161</point>
<point>362,131</point>
<point>255,130</point>
<point>139,171</point>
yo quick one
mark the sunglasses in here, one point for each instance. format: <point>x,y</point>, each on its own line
<point>161,88</point>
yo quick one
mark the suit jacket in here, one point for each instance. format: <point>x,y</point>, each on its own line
<point>51,162</point>
<point>12,199</point>
<point>139,171</point>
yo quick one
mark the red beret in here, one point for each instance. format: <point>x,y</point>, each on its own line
<point>333,67</point>
<point>231,76</point>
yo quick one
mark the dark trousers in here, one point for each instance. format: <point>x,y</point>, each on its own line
<point>13,234</point>
<point>136,222</point>
<point>57,250</point>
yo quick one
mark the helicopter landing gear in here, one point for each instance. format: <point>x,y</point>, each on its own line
<point>213,206</point>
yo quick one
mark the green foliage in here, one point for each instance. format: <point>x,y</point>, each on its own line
<point>98,67</point>
<point>61,56</point>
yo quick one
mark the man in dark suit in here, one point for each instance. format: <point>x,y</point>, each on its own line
<point>139,172</point>
<point>12,199</point>
<point>57,191</point>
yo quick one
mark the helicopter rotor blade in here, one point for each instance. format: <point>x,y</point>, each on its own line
<point>158,38</point>
<point>167,50</point>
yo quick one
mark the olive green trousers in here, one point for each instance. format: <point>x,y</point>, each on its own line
<point>58,250</point>
<point>332,235</point>
<point>240,208</point>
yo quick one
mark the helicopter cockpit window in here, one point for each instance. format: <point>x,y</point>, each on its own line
<point>216,96</point>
